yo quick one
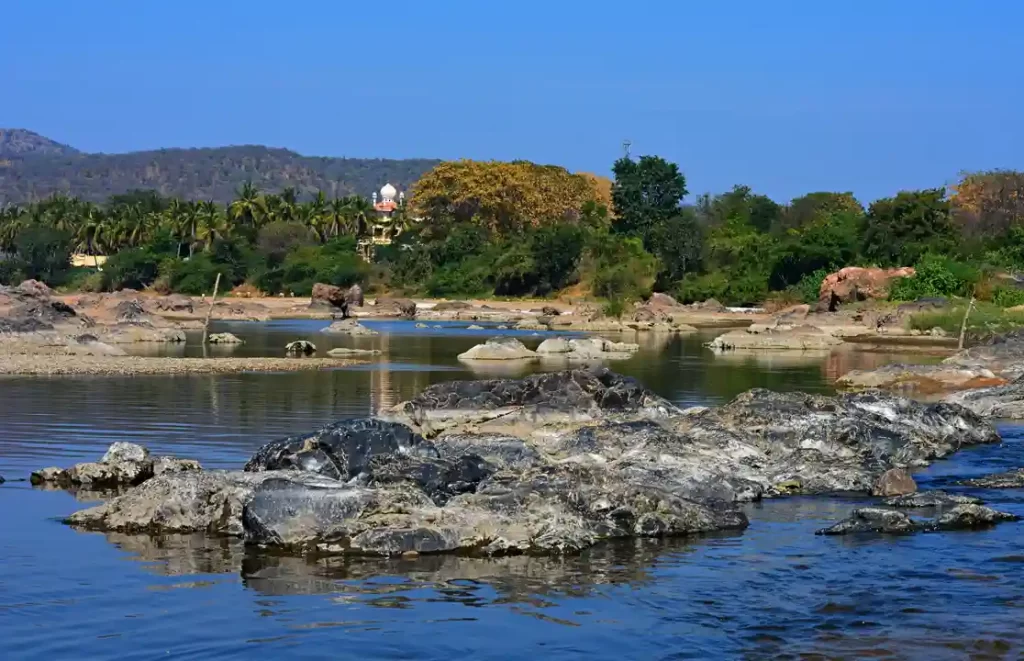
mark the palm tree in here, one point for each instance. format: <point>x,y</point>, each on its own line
<point>250,207</point>
<point>359,212</point>
<point>212,224</point>
<point>338,218</point>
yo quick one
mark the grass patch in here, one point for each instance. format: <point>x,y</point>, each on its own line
<point>986,319</point>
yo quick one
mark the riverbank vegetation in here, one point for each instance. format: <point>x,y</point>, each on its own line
<point>519,229</point>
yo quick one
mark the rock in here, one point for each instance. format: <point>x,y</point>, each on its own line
<point>34,289</point>
<point>1003,354</point>
<point>796,314</point>
<point>300,348</point>
<point>421,325</point>
<point>162,465</point>
<point>348,327</point>
<point>124,464</point>
<point>474,327</point>
<point>710,305</point>
<point>224,338</point>
<point>88,344</point>
<point>1010,480</point>
<point>335,299</point>
<point>402,308</point>
<point>585,349</point>
<point>502,327</point>
<point>972,517</point>
<point>894,482</point>
<point>938,332</point>
<point>184,502</point>
<point>582,456</point>
<point>132,312</point>
<point>174,303</point>
<point>874,519</point>
<point>499,348</point>
<point>660,300</point>
<point>924,499</point>
<point>800,338</point>
<point>554,345</point>
<point>855,283</point>
<point>550,311</point>
<point>1006,402</point>
<point>451,306</point>
<point>345,352</point>
<point>2,480</point>
<point>919,378</point>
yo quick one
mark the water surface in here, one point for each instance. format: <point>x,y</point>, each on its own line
<point>774,591</point>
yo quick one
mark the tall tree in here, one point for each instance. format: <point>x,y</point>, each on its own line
<point>899,230</point>
<point>646,193</point>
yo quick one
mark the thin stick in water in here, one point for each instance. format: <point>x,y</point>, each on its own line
<point>209,312</point>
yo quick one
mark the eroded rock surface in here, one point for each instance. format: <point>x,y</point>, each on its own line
<point>553,462</point>
<point>499,348</point>
<point>881,520</point>
<point>776,337</point>
<point>1009,480</point>
<point>123,464</point>
<point>920,378</point>
<point>939,499</point>
<point>1005,402</point>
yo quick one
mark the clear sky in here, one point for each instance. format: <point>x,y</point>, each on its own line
<point>787,97</point>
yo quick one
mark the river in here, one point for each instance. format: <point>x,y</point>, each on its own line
<point>774,591</point>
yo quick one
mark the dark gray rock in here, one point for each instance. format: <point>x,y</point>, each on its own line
<point>132,312</point>
<point>940,499</point>
<point>1010,480</point>
<point>874,519</point>
<point>1006,402</point>
<point>300,348</point>
<point>972,517</point>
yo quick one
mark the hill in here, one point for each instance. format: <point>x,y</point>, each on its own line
<point>33,167</point>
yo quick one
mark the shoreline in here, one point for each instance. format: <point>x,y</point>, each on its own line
<point>43,364</point>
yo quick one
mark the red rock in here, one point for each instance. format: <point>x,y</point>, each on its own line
<point>894,482</point>
<point>855,283</point>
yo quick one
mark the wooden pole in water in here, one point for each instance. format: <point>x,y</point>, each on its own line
<point>209,312</point>
<point>963,326</point>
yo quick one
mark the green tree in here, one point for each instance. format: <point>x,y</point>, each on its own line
<point>899,230</point>
<point>646,193</point>
<point>44,253</point>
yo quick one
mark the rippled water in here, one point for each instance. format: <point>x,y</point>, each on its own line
<point>774,591</point>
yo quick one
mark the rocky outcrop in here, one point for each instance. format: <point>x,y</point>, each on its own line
<point>855,283</point>
<point>174,303</point>
<point>300,348</point>
<point>124,464</point>
<point>1002,354</point>
<point>332,299</point>
<point>1006,402</point>
<point>919,378</point>
<point>499,348</point>
<point>451,306</point>
<point>1010,480</point>
<point>224,338</point>
<point>767,337</point>
<point>549,463</point>
<point>880,520</point>
<point>29,307</point>
<point>348,327</point>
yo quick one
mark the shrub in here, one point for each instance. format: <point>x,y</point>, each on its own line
<point>470,277</point>
<point>11,272</point>
<point>135,268</point>
<point>194,276</point>
<point>1007,297</point>
<point>809,287</point>
<point>936,276</point>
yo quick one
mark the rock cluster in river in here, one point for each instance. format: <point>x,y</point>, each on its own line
<point>124,464</point>
<point>553,462</point>
<point>881,520</point>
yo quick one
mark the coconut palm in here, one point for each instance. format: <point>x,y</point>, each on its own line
<point>250,207</point>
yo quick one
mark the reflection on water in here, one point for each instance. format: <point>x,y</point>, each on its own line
<point>774,591</point>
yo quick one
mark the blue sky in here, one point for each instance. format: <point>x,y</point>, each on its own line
<point>786,97</point>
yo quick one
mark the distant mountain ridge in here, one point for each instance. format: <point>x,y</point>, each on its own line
<point>33,167</point>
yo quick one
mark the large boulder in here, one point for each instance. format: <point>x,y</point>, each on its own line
<point>499,348</point>
<point>332,299</point>
<point>855,283</point>
<point>894,482</point>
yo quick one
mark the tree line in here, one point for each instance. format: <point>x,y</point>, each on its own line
<point>521,229</point>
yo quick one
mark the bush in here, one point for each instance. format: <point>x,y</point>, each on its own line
<point>1007,297</point>
<point>194,276</point>
<point>87,280</point>
<point>619,268</point>
<point>11,272</point>
<point>334,263</point>
<point>135,268</point>
<point>470,277</point>
<point>809,287</point>
<point>936,276</point>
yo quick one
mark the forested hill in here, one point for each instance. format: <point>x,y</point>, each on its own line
<point>33,167</point>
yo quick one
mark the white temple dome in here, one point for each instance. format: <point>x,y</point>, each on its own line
<point>388,192</point>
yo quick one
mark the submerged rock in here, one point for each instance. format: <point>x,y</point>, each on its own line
<point>1010,480</point>
<point>499,348</point>
<point>931,499</point>
<point>874,519</point>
